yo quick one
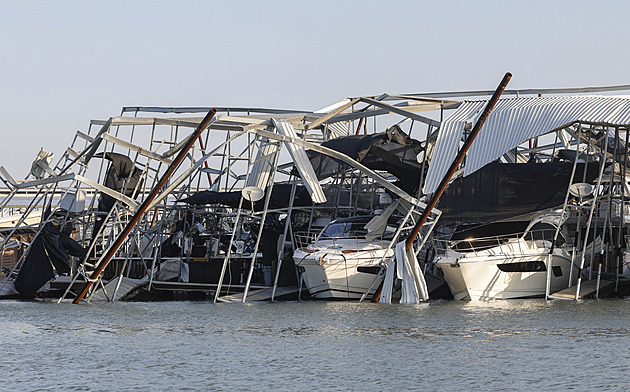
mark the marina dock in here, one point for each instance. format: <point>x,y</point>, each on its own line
<point>588,289</point>
<point>141,289</point>
<point>263,294</point>
<point>223,203</point>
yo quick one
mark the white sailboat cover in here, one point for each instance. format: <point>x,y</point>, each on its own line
<point>514,121</point>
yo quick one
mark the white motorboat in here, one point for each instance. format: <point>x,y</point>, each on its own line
<point>344,261</point>
<point>512,265</point>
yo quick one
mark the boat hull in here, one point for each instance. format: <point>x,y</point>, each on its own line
<point>495,277</point>
<point>334,275</point>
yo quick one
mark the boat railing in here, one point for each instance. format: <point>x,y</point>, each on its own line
<point>303,240</point>
<point>513,243</point>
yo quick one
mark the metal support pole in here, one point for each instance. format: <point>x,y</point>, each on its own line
<point>599,276</point>
<point>617,248</point>
<point>590,217</point>
<point>262,224</point>
<point>622,220</point>
<point>287,223</point>
<point>610,196</point>
<point>228,251</point>
<point>564,209</point>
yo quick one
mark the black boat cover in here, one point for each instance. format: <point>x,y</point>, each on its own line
<point>392,151</point>
<point>502,190</point>
<point>121,171</point>
<point>280,195</point>
<point>50,248</point>
<point>122,176</point>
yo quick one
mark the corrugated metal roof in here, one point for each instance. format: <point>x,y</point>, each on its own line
<point>514,121</point>
<point>338,129</point>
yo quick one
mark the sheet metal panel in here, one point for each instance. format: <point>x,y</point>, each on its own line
<point>514,121</point>
<point>403,112</point>
<point>133,205</point>
<point>44,181</point>
<point>377,225</point>
<point>179,110</point>
<point>338,129</point>
<point>7,176</point>
<point>479,93</point>
<point>301,161</point>
<point>260,173</point>
<point>448,142</point>
<point>334,106</point>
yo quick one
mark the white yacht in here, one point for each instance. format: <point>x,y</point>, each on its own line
<point>345,260</point>
<point>510,265</point>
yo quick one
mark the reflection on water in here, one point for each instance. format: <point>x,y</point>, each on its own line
<point>441,345</point>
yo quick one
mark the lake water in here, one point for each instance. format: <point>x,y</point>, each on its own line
<point>200,346</point>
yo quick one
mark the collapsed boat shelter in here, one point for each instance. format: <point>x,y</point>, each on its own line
<point>161,202</point>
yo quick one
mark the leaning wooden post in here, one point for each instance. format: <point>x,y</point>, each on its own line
<point>106,258</point>
<point>458,160</point>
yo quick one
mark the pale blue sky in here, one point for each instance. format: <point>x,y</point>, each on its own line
<point>66,62</point>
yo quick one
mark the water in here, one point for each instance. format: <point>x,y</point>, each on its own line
<point>198,346</point>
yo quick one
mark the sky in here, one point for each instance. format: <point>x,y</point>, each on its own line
<point>66,62</point>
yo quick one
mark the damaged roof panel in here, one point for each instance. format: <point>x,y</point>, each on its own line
<point>514,121</point>
<point>301,161</point>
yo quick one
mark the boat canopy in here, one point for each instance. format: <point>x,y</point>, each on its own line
<point>280,198</point>
<point>392,151</point>
<point>503,190</point>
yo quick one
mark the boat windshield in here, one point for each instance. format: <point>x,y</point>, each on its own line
<point>488,236</point>
<point>544,231</point>
<point>477,237</point>
<point>344,230</point>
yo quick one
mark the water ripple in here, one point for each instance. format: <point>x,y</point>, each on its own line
<point>198,346</point>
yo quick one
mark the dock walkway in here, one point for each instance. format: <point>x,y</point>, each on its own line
<point>127,286</point>
<point>261,294</point>
<point>588,288</point>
